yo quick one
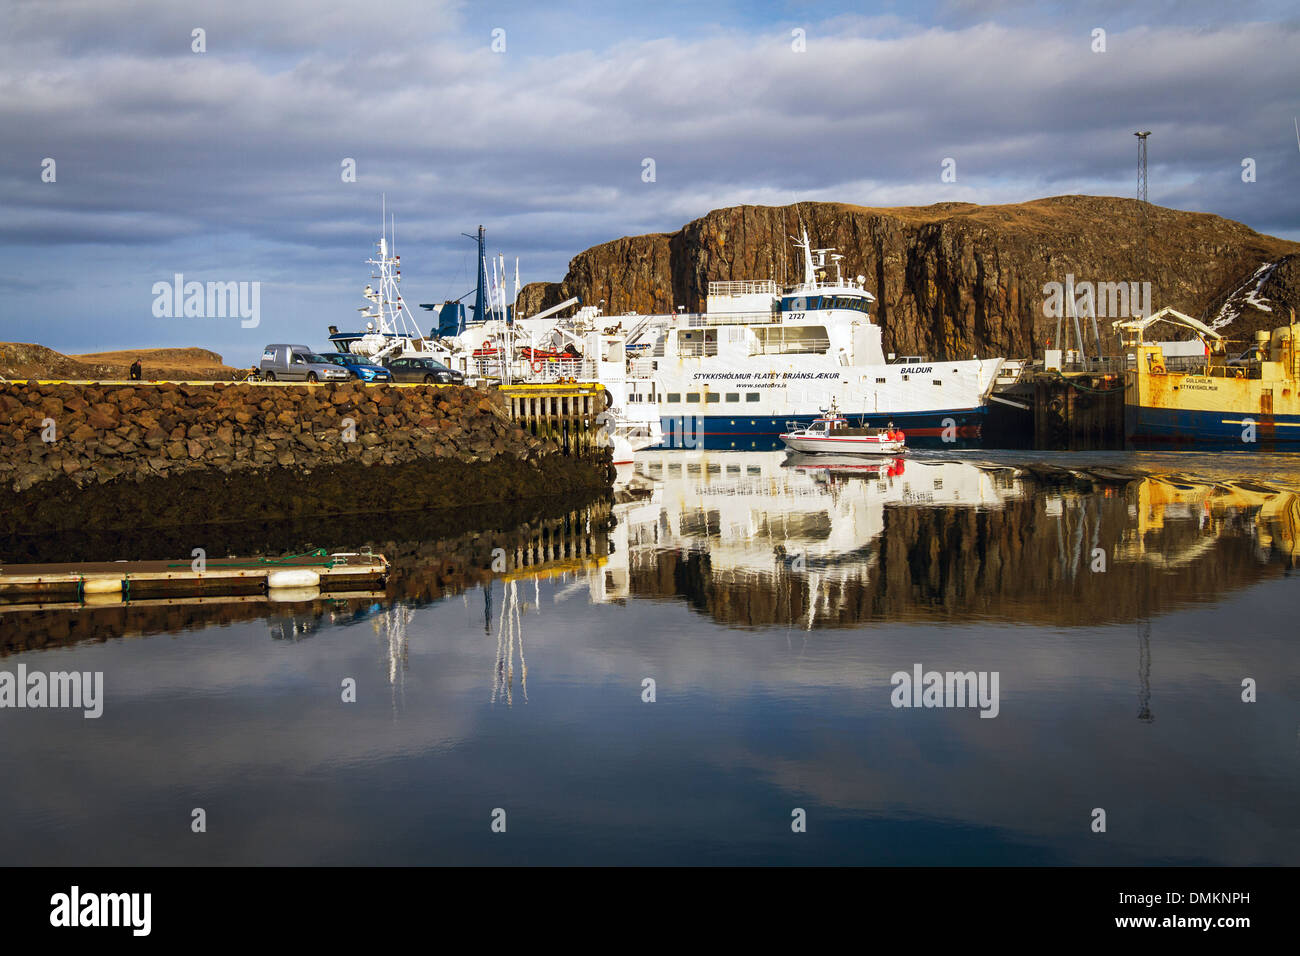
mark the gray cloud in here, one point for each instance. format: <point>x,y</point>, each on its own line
<point>233,156</point>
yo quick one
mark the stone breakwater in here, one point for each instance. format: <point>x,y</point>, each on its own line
<point>104,456</point>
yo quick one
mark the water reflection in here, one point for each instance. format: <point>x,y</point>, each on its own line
<point>757,540</point>
<point>771,600</point>
<point>510,635</point>
<point>761,539</point>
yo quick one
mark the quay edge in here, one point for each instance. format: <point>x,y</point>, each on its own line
<point>93,455</point>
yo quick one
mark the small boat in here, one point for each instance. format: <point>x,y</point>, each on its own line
<point>832,434</point>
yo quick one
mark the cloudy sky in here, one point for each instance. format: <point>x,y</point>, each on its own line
<point>226,165</point>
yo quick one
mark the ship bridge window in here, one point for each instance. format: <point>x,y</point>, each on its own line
<point>733,396</point>
<point>693,397</point>
<point>752,396</point>
<point>674,398</point>
<point>712,397</point>
<point>852,303</point>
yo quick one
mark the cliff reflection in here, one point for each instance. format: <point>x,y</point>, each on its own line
<point>756,540</point>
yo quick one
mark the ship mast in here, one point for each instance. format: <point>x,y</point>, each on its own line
<point>387,308</point>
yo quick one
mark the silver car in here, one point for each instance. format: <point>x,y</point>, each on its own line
<point>298,363</point>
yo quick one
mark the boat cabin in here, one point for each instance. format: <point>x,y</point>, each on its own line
<point>828,424</point>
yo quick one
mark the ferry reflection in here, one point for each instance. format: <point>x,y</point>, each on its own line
<point>756,539</point>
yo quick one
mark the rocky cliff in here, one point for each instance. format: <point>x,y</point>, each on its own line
<point>954,279</point>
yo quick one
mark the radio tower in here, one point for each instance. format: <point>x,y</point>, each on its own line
<point>1142,198</point>
<point>1142,202</point>
<point>1142,165</point>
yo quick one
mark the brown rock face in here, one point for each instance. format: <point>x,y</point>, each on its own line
<point>953,279</point>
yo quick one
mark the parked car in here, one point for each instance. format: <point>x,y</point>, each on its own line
<point>298,363</point>
<point>425,370</point>
<point>359,367</point>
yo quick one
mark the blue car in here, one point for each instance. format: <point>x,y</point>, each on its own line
<point>359,367</point>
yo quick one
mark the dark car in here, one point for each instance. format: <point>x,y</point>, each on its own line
<point>359,366</point>
<point>427,370</point>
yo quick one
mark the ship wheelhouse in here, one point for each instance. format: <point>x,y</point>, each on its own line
<point>850,300</point>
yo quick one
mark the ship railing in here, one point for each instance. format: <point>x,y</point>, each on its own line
<point>1232,371</point>
<point>554,370</point>
<point>810,346</point>
<point>697,349</point>
<point>699,320</point>
<point>743,287</point>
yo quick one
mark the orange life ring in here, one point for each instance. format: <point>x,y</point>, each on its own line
<point>538,365</point>
<point>1157,370</point>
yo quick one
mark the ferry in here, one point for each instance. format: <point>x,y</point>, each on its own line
<point>1243,401</point>
<point>760,357</point>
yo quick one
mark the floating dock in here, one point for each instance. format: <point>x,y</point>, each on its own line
<point>115,581</point>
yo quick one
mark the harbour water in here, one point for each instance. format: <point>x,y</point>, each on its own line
<point>673,677</point>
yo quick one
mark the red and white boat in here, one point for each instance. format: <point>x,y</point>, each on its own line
<point>833,435</point>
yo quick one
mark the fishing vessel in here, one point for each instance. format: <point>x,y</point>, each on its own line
<point>833,435</point>
<point>390,329</point>
<point>761,356</point>
<point>1232,400</point>
<point>503,347</point>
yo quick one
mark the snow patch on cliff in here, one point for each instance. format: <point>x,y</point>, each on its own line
<point>1243,296</point>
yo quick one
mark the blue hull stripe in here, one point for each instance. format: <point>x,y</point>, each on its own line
<point>748,432</point>
<point>1228,428</point>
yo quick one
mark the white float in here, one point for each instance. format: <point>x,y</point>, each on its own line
<point>293,578</point>
<point>101,585</point>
